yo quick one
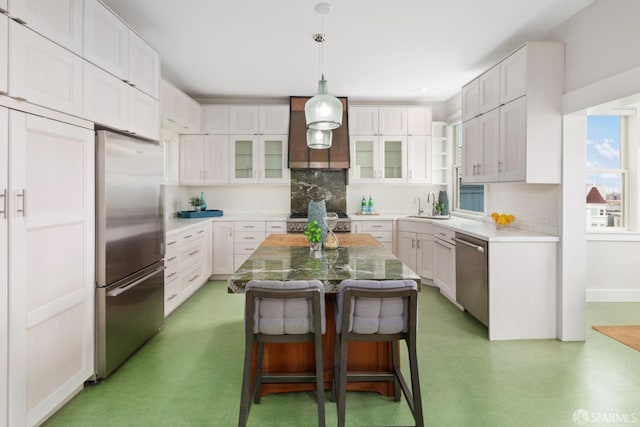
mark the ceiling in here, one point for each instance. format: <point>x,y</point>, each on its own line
<point>413,51</point>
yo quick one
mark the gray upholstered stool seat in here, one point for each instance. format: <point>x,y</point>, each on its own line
<point>282,312</point>
<point>370,310</point>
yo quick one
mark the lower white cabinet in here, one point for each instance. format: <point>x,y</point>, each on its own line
<point>187,264</point>
<point>223,248</point>
<point>416,247</point>
<point>444,271</point>
<point>381,230</point>
<point>248,236</point>
<point>51,282</point>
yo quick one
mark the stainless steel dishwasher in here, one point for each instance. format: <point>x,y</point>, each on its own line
<point>472,276</point>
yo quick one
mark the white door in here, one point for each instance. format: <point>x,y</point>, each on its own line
<point>191,114</point>
<point>106,98</point>
<point>419,159</point>
<point>513,140</point>
<point>144,114</point>
<point>4,54</point>
<point>470,151</point>
<point>144,66</point>
<point>364,158</point>
<point>52,227</point>
<point>191,159</point>
<point>470,100</point>
<point>489,90</point>
<point>216,159</point>
<point>489,146</point>
<point>274,120</point>
<point>513,76</point>
<point>223,247</point>
<point>273,159</point>
<point>363,120</point>
<point>244,119</point>
<point>106,39</point>
<point>419,121</point>
<point>216,119</point>
<point>59,21</point>
<point>244,159</point>
<point>424,257</point>
<point>392,159</point>
<point>43,72</point>
<point>407,247</point>
<point>392,121</point>
<point>4,272</point>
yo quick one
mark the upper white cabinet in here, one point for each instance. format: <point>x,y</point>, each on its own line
<point>4,54</point>
<point>258,158</point>
<point>204,159</point>
<point>419,159</point>
<point>378,159</point>
<point>259,120</point>
<point>419,121</point>
<point>144,114</point>
<point>106,98</point>
<point>144,66</point>
<point>57,20</point>
<point>106,39</point>
<point>215,119</point>
<point>42,72</point>
<point>180,113</point>
<point>525,130</point>
<point>3,5</point>
<point>378,120</point>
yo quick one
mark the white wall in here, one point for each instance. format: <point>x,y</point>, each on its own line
<point>239,199</point>
<point>390,198</point>
<point>612,271</point>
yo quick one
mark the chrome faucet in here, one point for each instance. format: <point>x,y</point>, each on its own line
<point>419,207</point>
<point>432,196</point>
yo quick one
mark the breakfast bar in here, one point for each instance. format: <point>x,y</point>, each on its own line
<point>287,257</point>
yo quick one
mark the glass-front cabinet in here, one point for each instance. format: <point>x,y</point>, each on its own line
<point>378,158</point>
<point>259,158</point>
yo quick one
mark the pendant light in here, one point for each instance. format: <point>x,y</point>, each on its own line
<point>323,112</point>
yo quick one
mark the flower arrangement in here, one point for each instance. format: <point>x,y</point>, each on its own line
<point>313,232</point>
<point>502,220</point>
<point>196,202</point>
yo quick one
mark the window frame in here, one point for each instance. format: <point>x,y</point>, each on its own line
<point>455,130</point>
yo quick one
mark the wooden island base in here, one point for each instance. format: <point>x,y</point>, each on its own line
<point>299,358</point>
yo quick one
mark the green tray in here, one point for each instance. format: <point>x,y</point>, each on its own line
<point>199,214</point>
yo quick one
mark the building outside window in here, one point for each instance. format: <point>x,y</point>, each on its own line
<point>468,197</point>
<point>606,190</point>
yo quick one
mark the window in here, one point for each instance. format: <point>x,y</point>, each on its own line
<point>468,197</point>
<point>606,172</point>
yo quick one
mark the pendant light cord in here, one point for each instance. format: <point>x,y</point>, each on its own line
<point>321,50</point>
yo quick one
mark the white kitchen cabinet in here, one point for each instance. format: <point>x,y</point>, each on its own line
<point>3,6</point>
<point>513,76</point>
<point>180,113</point>
<point>106,98</point>
<point>378,120</point>
<point>513,141</point>
<point>51,226</point>
<point>203,159</point>
<point>4,266</point>
<point>223,255</point>
<point>215,119</point>
<point>259,119</point>
<point>363,120</point>
<point>470,100</point>
<point>416,251</point>
<point>482,94</point>
<point>276,227</point>
<point>381,230</point>
<point>42,72</point>
<point>144,114</point>
<point>419,121</point>
<point>4,54</point>
<point>444,264</point>
<point>247,237</point>
<point>378,159</point>
<point>171,145</point>
<point>106,39</point>
<point>419,159</point>
<point>480,150</point>
<point>258,159</point>
<point>144,66</point>
<point>59,21</point>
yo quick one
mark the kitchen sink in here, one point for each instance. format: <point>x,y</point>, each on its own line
<point>439,217</point>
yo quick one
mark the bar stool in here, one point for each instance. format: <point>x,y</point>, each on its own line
<point>281,312</point>
<point>369,310</point>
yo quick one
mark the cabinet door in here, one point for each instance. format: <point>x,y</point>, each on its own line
<point>223,247</point>
<point>470,151</point>
<point>191,159</point>
<point>106,98</point>
<point>419,159</point>
<point>273,159</point>
<point>489,90</point>
<point>216,159</point>
<point>144,114</point>
<point>513,141</point>
<point>392,121</point>
<point>424,256</point>
<point>144,66</point>
<point>244,119</point>
<point>106,39</point>
<point>513,76</point>
<point>393,159</point>
<point>364,159</point>
<point>407,249</point>
<point>489,146</point>
<point>4,268</point>
<point>43,72</point>
<point>470,100</point>
<point>216,119</point>
<point>191,115</point>
<point>243,153</point>
<point>171,144</point>
<point>3,6</point>
<point>419,121</point>
<point>4,54</point>
<point>363,120</point>
<point>59,21</point>
<point>274,120</point>
<point>52,227</point>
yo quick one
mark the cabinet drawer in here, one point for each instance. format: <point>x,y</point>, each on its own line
<point>444,233</point>
<point>171,272</point>
<point>382,236</point>
<point>192,277</point>
<point>172,293</point>
<point>276,227</point>
<point>372,226</point>
<point>249,226</point>
<point>249,237</point>
<point>246,247</point>
<point>191,253</point>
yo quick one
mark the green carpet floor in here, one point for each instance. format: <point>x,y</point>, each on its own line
<point>189,375</point>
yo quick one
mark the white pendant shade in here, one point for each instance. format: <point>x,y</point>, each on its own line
<point>319,139</point>
<point>323,111</point>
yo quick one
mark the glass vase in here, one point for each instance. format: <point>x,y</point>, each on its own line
<point>317,211</point>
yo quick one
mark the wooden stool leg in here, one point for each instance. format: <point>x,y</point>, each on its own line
<point>245,394</point>
<point>258,381</point>
<point>415,384</point>
<point>319,377</point>
<point>342,380</point>
<point>395,359</point>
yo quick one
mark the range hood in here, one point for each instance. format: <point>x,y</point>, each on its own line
<point>303,157</point>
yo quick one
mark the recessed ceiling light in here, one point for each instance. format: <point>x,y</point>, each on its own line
<point>424,89</point>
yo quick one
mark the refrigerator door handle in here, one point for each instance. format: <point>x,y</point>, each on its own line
<point>123,289</point>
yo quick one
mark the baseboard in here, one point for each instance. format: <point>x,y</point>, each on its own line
<point>613,295</point>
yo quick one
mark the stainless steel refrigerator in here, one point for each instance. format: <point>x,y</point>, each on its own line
<point>130,247</point>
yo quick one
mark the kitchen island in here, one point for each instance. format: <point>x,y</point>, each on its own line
<point>287,257</point>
